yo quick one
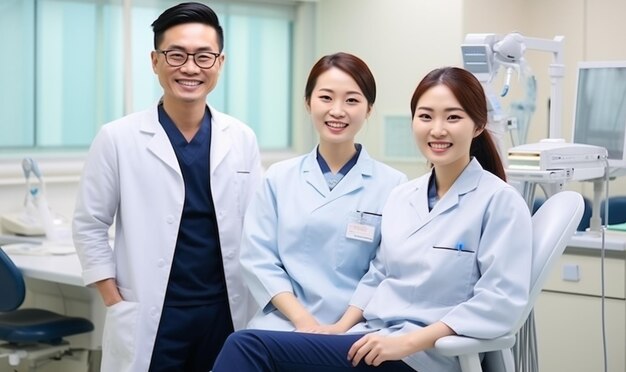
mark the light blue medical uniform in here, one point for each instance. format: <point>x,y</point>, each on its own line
<point>294,236</point>
<point>466,263</point>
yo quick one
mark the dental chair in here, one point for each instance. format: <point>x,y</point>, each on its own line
<point>584,222</point>
<point>553,223</point>
<point>32,334</point>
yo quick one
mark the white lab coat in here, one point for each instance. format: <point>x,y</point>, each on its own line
<point>420,277</point>
<point>131,174</point>
<point>295,239</point>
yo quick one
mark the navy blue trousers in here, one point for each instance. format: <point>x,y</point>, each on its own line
<point>190,337</point>
<point>266,351</point>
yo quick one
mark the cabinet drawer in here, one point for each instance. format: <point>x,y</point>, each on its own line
<point>587,270</point>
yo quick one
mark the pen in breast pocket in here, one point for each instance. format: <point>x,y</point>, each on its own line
<point>459,247</point>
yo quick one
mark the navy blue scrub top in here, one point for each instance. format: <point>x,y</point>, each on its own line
<point>197,274</point>
<point>333,179</point>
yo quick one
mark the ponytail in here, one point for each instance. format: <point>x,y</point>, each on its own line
<point>484,150</point>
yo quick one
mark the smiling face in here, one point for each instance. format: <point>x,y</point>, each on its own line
<point>443,130</point>
<point>338,107</point>
<point>187,84</point>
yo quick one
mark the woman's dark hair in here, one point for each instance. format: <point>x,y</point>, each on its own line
<point>470,94</point>
<point>351,65</point>
<point>186,13</point>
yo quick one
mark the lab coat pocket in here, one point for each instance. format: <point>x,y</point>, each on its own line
<point>454,274</point>
<point>127,294</point>
<point>359,245</point>
<point>119,338</point>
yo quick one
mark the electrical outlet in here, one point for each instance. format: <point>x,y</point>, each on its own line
<point>570,273</point>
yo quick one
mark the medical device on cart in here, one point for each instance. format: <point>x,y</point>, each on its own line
<point>550,162</point>
<point>35,218</point>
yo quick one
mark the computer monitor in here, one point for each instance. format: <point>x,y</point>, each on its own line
<point>600,110</point>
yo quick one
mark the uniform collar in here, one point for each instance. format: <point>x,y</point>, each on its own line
<point>311,172</point>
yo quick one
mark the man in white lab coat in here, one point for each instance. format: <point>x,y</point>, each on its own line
<point>176,179</point>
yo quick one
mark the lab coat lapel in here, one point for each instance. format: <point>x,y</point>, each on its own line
<point>354,179</point>
<point>350,183</point>
<point>467,182</point>
<point>220,142</point>
<point>419,202</point>
<point>313,175</point>
<point>159,144</point>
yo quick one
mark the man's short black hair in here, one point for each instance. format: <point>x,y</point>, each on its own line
<point>186,13</point>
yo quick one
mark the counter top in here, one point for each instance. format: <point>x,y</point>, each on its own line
<point>613,241</point>
<point>64,269</point>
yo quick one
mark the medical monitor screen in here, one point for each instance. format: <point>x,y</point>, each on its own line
<point>600,116</point>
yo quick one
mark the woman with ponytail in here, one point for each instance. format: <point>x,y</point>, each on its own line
<point>471,97</point>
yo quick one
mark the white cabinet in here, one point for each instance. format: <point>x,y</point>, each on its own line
<point>568,313</point>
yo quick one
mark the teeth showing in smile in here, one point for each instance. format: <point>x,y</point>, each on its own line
<point>189,83</point>
<point>440,145</point>
<point>336,124</point>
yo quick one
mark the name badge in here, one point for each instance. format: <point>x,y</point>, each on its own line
<point>360,231</point>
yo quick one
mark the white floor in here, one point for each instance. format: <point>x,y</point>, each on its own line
<point>76,363</point>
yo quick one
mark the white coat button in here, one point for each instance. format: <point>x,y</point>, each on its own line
<point>154,312</point>
<point>169,219</point>
<point>160,263</point>
<point>220,214</point>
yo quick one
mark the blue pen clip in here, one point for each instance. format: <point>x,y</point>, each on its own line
<point>459,247</point>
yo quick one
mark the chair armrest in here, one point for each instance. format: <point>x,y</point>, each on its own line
<point>461,345</point>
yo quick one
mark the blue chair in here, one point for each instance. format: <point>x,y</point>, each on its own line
<point>584,222</point>
<point>33,334</point>
<point>617,210</point>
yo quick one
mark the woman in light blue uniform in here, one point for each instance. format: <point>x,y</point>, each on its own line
<point>455,256</point>
<point>314,226</point>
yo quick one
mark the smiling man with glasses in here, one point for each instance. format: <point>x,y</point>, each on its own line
<point>176,179</point>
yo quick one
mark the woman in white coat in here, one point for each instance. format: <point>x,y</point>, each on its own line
<point>454,259</point>
<point>314,226</point>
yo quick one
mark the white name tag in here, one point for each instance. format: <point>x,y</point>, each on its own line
<point>361,232</point>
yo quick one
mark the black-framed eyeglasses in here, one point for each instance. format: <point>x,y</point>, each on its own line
<point>177,58</point>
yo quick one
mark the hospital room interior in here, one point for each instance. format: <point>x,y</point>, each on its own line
<point>69,66</point>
